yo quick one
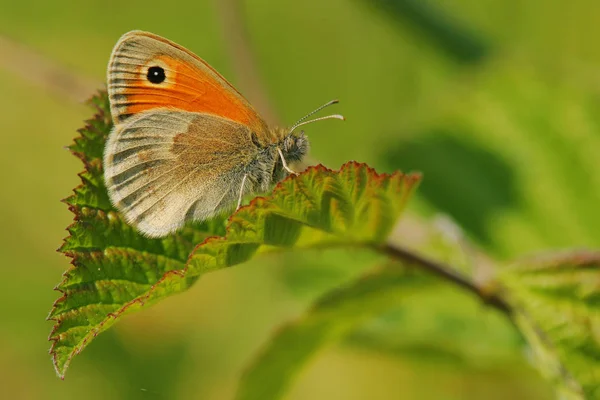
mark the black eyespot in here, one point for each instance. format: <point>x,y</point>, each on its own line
<point>156,74</point>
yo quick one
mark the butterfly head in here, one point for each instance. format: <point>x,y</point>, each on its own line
<point>295,146</point>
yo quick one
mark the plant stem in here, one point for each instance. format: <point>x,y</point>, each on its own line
<point>448,273</point>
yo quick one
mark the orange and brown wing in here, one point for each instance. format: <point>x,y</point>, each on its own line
<point>148,72</point>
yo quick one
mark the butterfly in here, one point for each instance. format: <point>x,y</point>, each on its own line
<point>186,145</point>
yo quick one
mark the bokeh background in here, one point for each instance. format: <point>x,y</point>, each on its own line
<point>496,101</point>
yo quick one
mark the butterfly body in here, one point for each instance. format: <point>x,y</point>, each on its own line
<point>185,145</point>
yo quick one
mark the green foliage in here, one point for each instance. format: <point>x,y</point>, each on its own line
<point>443,327</point>
<point>116,270</point>
<point>319,208</point>
<point>556,302</point>
<point>330,318</point>
<point>553,302</point>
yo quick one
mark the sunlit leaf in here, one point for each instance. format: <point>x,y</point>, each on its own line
<point>116,270</point>
<point>318,208</point>
<point>112,264</point>
<point>557,306</point>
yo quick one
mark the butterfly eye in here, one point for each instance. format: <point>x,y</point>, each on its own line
<point>156,74</point>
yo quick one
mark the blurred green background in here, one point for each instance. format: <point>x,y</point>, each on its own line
<point>496,101</point>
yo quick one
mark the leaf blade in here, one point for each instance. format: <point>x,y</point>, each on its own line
<point>557,308</point>
<point>114,269</point>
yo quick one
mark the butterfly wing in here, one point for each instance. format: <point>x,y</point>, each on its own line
<point>182,135</point>
<point>166,167</point>
<point>189,83</point>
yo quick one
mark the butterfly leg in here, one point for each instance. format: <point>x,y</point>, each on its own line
<point>241,192</point>
<point>285,166</point>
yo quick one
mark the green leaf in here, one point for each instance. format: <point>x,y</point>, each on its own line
<point>557,306</point>
<point>330,318</point>
<point>440,325</point>
<point>318,208</point>
<point>116,270</point>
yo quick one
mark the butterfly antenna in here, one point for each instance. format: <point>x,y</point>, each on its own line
<point>302,121</point>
